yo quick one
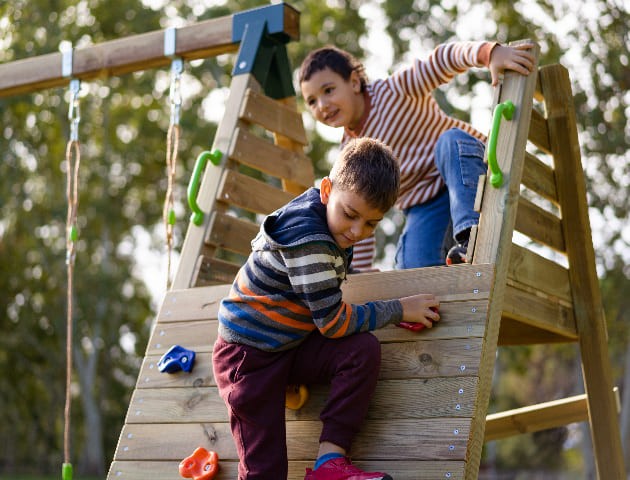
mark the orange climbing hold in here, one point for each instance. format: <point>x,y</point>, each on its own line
<point>296,396</point>
<point>201,465</point>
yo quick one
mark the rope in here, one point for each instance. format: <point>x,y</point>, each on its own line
<point>73,159</point>
<point>172,146</point>
<point>168,214</point>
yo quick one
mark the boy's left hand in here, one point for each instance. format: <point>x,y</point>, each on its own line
<point>517,58</point>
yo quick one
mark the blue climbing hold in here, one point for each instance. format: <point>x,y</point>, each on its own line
<point>177,358</point>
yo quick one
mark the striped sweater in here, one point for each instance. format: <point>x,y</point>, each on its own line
<point>291,284</point>
<point>402,112</point>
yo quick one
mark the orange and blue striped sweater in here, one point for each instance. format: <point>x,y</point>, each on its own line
<point>291,284</point>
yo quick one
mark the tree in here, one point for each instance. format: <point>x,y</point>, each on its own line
<point>122,184</point>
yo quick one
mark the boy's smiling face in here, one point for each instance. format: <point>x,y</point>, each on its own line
<point>350,218</point>
<point>332,100</point>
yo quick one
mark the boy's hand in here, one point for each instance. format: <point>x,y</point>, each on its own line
<point>419,311</point>
<point>517,58</point>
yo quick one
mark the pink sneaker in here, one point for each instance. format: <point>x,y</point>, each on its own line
<point>342,469</point>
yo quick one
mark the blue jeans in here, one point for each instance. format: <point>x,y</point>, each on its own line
<point>427,232</point>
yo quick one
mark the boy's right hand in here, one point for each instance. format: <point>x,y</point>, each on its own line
<point>419,311</point>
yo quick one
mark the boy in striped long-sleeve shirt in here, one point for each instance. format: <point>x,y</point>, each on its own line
<point>285,322</point>
<point>441,157</point>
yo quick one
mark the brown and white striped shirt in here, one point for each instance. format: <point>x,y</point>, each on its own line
<point>402,112</point>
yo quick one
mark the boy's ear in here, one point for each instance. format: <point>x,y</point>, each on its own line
<point>324,190</point>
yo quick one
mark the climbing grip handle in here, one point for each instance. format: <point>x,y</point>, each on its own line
<point>195,180</point>
<point>505,110</point>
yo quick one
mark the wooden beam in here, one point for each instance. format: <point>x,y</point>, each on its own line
<point>535,418</point>
<point>125,55</point>
<point>494,237</point>
<point>588,307</point>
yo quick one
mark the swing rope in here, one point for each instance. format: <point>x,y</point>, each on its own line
<point>172,144</point>
<point>73,159</point>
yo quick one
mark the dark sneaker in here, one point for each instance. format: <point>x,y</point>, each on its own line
<point>457,254</point>
<point>341,469</point>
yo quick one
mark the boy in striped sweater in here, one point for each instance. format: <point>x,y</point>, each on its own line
<point>441,157</point>
<point>285,322</point>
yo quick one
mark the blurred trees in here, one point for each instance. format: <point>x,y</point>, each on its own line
<point>122,185</point>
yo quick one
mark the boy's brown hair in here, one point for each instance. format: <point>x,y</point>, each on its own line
<point>368,168</point>
<point>335,59</point>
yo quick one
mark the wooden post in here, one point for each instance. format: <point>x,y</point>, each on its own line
<point>494,239</point>
<point>589,312</point>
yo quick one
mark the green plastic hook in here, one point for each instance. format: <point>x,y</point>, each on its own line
<point>505,110</point>
<point>193,187</point>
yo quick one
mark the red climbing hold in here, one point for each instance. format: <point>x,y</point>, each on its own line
<point>201,465</point>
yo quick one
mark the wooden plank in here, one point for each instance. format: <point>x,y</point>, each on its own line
<point>263,155</point>
<point>541,416</point>
<point>539,132</point>
<point>531,270</point>
<point>461,282</point>
<point>254,195</point>
<point>232,233</point>
<point>274,116</point>
<point>289,144</point>
<point>494,237</point>
<point>410,398</point>
<point>589,311</point>
<point>399,469</point>
<point>539,225</point>
<point>393,399</point>
<point>200,376</point>
<point>459,319</point>
<point>213,271</point>
<point>187,271</point>
<point>404,439</point>
<point>546,314</point>
<point>130,54</point>
<point>540,178</point>
<point>201,303</point>
<point>463,299</point>
<point>432,357</point>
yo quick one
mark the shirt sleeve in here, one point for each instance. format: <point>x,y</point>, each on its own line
<point>442,65</point>
<point>315,272</point>
<point>364,252</point>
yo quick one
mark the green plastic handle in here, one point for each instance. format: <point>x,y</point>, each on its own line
<point>505,110</point>
<point>66,471</point>
<point>195,180</point>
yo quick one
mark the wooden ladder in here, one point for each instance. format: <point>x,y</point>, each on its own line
<point>428,418</point>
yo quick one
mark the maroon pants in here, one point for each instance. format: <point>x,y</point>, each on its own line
<point>252,383</point>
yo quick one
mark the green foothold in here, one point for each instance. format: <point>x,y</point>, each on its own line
<point>74,235</point>
<point>171,217</point>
